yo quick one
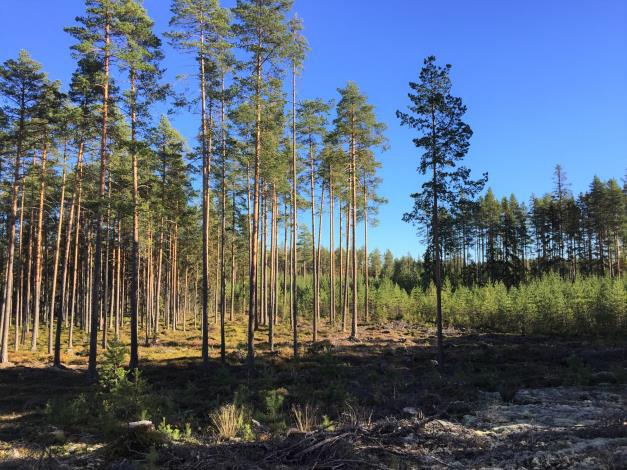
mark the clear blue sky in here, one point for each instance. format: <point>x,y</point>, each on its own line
<point>545,81</point>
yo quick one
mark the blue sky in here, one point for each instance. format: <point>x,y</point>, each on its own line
<point>545,82</point>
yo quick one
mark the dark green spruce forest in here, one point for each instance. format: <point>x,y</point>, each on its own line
<point>213,302</point>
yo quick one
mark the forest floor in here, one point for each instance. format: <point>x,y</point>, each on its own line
<point>501,401</point>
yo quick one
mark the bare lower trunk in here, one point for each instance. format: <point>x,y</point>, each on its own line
<point>38,248</point>
<point>353,175</point>
<point>366,275</point>
<point>53,304</point>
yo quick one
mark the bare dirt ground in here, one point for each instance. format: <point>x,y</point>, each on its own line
<point>501,401</point>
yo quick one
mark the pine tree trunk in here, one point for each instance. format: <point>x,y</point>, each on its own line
<point>38,252</point>
<point>346,267</point>
<point>159,277</point>
<point>272,273</point>
<point>232,304</point>
<point>7,294</point>
<point>57,249</point>
<point>318,254</point>
<point>252,294</point>
<point>17,304</point>
<point>223,234</point>
<point>285,259</point>
<point>331,251</point>
<point>95,299</point>
<point>75,265</point>
<point>275,269</point>
<point>436,250</point>
<point>294,288</point>
<point>353,175</point>
<point>206,151</point>
<point>314,313</point>
<point>134,357</point>
<point>366,274</point>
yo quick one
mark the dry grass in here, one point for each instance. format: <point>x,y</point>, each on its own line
<point>306,417</point>
<point>227,420</point>
<point>356,416</point>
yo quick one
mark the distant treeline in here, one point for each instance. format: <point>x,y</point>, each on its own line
<point>490,240</point>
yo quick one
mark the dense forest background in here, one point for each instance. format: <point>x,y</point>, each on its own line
<point>213,302</point>
<point>112,221</point>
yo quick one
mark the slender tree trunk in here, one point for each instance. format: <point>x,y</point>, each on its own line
<point>436,250</point>
<point>294,288</point>
<point>275,269</point>
<point>134,358</point>
<point>104,305</point>
<point>38,254</point>
<point>252,294</point>
<point>223,233</point>
<point>26,294</point>
<point>318,254</point>
<point>75,265</point>
<point>206,165</point>
<point>232,304</point>
<point>346,268</point>
<point>272,272</point>
<point>314,313</point>
<point>95,300</point>
<point>264,258</point>
<point>159,277</point>
<point>53,303</point>
<point>17,305</point>
<point>353,175</point>
<point>366,274</point>
<point>118,282</point>
<point>341,279</point>
<point>7,294</point>
<point>331,250</point>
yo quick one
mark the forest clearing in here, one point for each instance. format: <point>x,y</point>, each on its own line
<point>218,250</point>
<point>379,402</point>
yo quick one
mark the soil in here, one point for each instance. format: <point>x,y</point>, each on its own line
<point>499,401</point>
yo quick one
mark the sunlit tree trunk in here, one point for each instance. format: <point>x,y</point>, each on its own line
<point>55,270</point>
<point>38,251</point>
<point>95,299</point>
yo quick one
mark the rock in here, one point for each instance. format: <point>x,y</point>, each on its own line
<point>410,410</point>
<point>141,424</point>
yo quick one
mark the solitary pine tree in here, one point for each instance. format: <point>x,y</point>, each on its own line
<point>444,137</point>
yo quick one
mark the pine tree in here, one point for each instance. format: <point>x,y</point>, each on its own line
<point>445,138</point>
<point>99,34</point>
<point>140,56</point>
<point>199,24</point>
<point>261,32</point>
<point>356,126</point>
<point>311,128</point>
<point>21,86</point>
